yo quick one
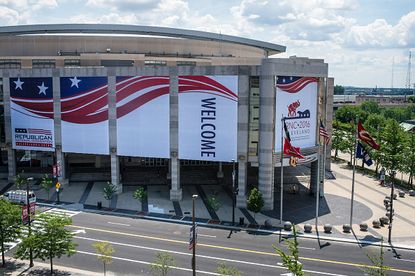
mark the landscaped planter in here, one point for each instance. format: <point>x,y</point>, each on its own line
<point>287,226</point>
<point>307,228</point>
<point>327,228</point>
<point>376,223</point>
<point>346,228</point>
<point>364,226</point>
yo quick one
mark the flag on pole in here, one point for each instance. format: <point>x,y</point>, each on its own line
<point>363,154</point>
<point>324,133</point>
<point>288,148</point>
<point>365,137</point>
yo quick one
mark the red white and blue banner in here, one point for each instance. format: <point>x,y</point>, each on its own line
<point>208,108</point>
<point>143,114</point>
<point>84,112</point>
<point>296,100</point>
<point>31,104</point>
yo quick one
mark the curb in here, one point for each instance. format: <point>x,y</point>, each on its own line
<point>281,233</point>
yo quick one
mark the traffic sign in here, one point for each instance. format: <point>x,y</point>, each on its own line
<point>58,185</point>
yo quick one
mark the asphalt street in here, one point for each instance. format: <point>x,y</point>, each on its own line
<point>136,241</point>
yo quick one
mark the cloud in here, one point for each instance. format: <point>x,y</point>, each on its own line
<point>123,5</point>
<point>8,16</point>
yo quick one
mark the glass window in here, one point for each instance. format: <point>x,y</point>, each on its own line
<point>155,62</point>
<point>186,63</point>
<point>10,64</point>
<point>43,63</point>
<point>253,116</point>
<point>72,62</point>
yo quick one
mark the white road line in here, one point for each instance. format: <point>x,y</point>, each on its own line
<point>308,248</point>
<point>405,260</point>
<point>147,263</point>
<point>117,223</point>
<point>201,256</point>
<point>208,236</point>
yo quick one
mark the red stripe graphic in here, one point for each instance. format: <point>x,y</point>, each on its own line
<point>297,85</point>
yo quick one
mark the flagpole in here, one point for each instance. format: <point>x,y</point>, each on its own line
<point>282,166</point>
<point>354,172</point>
<point>318,182</point>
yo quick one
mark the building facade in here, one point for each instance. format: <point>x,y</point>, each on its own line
<point>78,96</point>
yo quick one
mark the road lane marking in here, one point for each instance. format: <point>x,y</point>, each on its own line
<point>147,263</point>
<point>234,249</point>
<point>203,256</point>
<point>208,236</point>
<point>405,260</point>
<point>117,223</point>
<point>307,248</point>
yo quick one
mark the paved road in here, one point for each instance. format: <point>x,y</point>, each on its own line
<point>136,241</point>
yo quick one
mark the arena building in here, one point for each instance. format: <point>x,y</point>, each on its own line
<point>139,105</point>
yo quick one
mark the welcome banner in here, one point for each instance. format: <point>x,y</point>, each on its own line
<point>84,107</point>
<point>143,115</point>
<point>208,108</point>
<point>31,103</point>
<point>296,100</point>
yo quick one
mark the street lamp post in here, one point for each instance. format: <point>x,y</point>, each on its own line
<point>233,192</point>
<point>194,235</point>
<point>29,219</point>
<point>393,173</point>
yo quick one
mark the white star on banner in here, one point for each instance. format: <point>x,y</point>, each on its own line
<point>74,82</point>
<point>42,88</point>
<point>19,84</point>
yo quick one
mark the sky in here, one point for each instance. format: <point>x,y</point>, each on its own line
<point>366,43</point>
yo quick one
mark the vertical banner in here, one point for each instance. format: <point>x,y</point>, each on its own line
<point>84,107</point>
<point>296,100</point>
<point>208,108</point>
<point>143,116</point>
<point>31,104</point>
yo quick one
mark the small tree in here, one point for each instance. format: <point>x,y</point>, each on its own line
<point>104,251</point>
<point>378,267</point>
<point>109,192</point>
<point>225,270</point>
<point>290,260</point>
<point>163,264</point>
<point>47,184</point>
<point>255,201</point>
<point>140,194</point>
<point>213,202</point>
<point>10,222</point>
<point>20,181</point>
<point>49,241</point>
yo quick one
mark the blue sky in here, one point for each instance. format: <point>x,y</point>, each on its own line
<point>358,39</point>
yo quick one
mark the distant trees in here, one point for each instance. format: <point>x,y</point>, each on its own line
<point>338,90</point>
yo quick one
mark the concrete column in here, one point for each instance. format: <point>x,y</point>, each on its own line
<point>11,158</point>
<point>57,120</point>
<point>243,135</point>
<point>220,171</point>
<point>97,161</point>
<point>175,191</point>
<point>112,128</point>
<point>266,134</point>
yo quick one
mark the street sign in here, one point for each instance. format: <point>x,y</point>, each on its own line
<point>58,185</point>
<point>191,237</point>
<point>32,208</point>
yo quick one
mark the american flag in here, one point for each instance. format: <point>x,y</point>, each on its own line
<point>293,84</point>
<point>39,131</point>
<point>324,133</point>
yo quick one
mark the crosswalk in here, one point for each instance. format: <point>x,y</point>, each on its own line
<point>37,224</point>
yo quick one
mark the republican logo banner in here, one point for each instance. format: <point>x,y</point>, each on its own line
<point>84,109</point>
<point>143,116</point>
<point>208,108</point>
<point>296,100</point>
<point>31,104</point>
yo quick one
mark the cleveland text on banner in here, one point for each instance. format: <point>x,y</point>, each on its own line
<point>84,107</point>
<point>31,104</point>
<point>143,115</point>
<point>208,107</point>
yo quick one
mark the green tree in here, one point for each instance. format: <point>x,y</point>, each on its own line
<point>255,201</point>
<point>347,114</point>
<point>51,240</point>
<point>47,184</point>
<point>290,260</point>
<point>109,192</point>
<point>225,270</point>
<point>392,146</point>
<point>140,194</point>
<point>163,263</point>
<point>213,202</point>
<point>400,114</point>
<point>411,99</point>
<point>378,267</point>
<point>409,160</point>
<point>20,181</point>
<point>338,90</point>
<point>374,124</point>
<point>370,107</point>
<point>336,141</point>
<point>348,143</point>
<point>10,224</point>
<point>105,252</point>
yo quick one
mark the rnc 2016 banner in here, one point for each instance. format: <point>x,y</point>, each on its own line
<point>84,107</point>
<point>296,100</point>
<point>208,108</point>
<point>143,115</point>
<point>31,103</point>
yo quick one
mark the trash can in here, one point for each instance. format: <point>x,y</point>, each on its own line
<point>241,221</point>
<point>99,205</point>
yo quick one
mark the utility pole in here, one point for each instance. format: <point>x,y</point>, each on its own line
<point>393,173</point>
<point>194,236</point>
<point>233,192</point>
<point>29,219</point>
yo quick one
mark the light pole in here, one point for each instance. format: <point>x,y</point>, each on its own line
<point>233,192</point>
<point>393,173</point>
<point>29,219</point>
<point>194,235</point>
